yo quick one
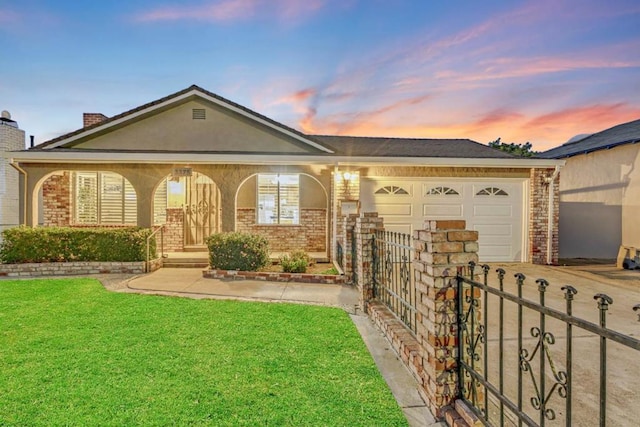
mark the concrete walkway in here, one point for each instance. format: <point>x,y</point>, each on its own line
<point>188,282</point>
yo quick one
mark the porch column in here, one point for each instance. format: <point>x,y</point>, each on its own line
<point>144,199</point>
<point>228,206</point>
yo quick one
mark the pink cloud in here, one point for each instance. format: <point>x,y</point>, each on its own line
<point>235,10</point>
<point>9,17</point>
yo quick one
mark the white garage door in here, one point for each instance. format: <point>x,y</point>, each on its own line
<point>492,207</point>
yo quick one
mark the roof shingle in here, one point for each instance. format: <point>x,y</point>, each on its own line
<point>625,133</point>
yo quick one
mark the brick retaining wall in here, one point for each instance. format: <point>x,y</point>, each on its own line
<point>275,276</point>
<point>76,268</point>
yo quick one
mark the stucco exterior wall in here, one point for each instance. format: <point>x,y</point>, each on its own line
<point>600,203</point>
<point>11,138</point>
<point>176,130</point>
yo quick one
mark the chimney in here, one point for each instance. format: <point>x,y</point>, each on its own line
<point>89,119</point>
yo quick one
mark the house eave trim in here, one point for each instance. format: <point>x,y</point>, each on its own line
<point>212,158</point>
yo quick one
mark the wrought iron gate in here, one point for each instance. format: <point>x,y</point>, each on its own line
<point>490,350</point>
<point>392,274</point>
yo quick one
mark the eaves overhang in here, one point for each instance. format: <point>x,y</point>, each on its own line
<point>47,156</point>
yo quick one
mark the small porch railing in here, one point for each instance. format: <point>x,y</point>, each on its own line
<point>156,230</point>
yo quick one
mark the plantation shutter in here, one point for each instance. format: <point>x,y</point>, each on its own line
<point>104,198</point>
<point>130,204</point>
<point>111,203</point>
<point>160,204</point>
<point>86,197</point>
<point>278,199</point>
<point>267,199</point>
<point>289,196</point>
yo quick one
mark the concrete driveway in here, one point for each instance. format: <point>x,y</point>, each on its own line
<point>623,363</point>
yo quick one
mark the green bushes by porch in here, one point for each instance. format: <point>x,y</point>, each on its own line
<point>296,262</point>
<point>62,244</point>
<point>238,251</point>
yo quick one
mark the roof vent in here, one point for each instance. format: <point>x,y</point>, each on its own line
<point>199,114</point>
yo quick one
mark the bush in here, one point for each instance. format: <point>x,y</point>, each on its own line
<point>238,251</point>
<point>296,262</point>
<point>64,244</point>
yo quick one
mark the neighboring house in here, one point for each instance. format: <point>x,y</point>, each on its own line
<point>600,192</point>
<point>11,139</point>
<point>198,163</point>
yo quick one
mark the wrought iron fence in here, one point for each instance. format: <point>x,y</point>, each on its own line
<point>354,256</point>
<point>392,274</point>
<point>490,350</point>
<point>340,255</point>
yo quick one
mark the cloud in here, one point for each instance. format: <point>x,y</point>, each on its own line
<point>503,77</point>
<point>288,11</point>
<point>9,17</point>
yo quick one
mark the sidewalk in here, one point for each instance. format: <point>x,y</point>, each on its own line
<point>188,282</point>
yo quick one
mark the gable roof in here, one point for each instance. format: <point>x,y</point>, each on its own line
<point>409,147</point>
<point>191,91</point>
<point>352,150</point>
<point>626,133</point>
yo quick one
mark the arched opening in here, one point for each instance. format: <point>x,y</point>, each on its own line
<point>289,209</point>
<point>189,207</point>
<point>86,198</point>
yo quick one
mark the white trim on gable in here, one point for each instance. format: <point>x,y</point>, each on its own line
<point>182,97</point>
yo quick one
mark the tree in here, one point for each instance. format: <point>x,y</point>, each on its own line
<point>522,150</point>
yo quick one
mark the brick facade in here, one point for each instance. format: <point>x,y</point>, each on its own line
<point>57,200</point>
<point>539,216</point>
<point>309,236</point>
<point>173,233</point>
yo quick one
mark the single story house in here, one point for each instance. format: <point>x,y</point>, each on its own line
<point>198,163</point>
<point>600,192</point>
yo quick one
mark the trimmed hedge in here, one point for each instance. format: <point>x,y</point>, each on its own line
<point>238,251</point>
<point>62,244</point>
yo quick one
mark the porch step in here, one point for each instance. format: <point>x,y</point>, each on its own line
<point>185,262</point>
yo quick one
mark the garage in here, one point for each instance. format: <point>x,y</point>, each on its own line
<point>492,207</point>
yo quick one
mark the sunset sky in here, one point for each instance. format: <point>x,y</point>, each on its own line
<point>539,71</point>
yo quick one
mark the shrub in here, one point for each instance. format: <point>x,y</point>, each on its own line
<point>296,262</point>
<point>238,251</point>
<point>63,244</point>
<point>332,271</point>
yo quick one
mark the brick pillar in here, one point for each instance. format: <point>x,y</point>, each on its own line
<point>346,240</point>
<point>366,225</point>
<point>441,248</point>
<point>539,221</point>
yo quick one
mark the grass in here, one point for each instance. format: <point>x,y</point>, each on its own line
<point>72,353</point>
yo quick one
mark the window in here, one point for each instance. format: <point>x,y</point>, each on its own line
<point>492,191</point>
<point>442,191</point>
<point>104,198</point>
<point>392,189</point>
<point>278,199</point>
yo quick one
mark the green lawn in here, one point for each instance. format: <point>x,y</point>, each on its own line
<point>72,353</point>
